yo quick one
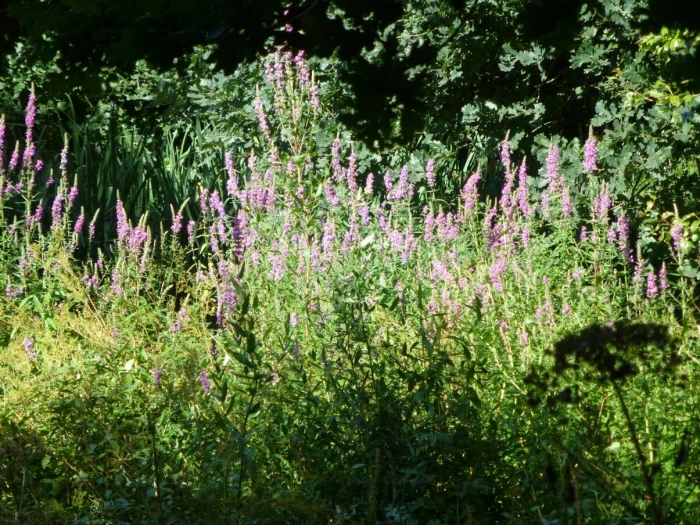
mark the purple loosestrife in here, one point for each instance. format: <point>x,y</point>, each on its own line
<point>612,235</point>
<point>204,201</point>
<point>363,212</point>
<point>565,201</point>
<point>64,158</point>
<point>39,165</point>
<point>123,228</point>
<point>2,146</point>
<point>302,70</point>
<point>190,232</point>
<point>80,222</point>
<point>217,204</point>
<point>524,338</point>
<point>213,239</point>
<point>116,286</point>
<point>351,174</point>
<point>652,288</point>
<point>396,240</point>
<point>315,103</point>
<point>507,203</point>
<point>638,269</point>
<point>333,199</point>
<point>72,195</point>
<point>90,281</point>
<point>590,152</point>
<point>677,236</point>
<point>156,377</point>
<point>583,236</point>
<point>544,204</point>
<point>262,118</point>
<point>179,322</point>
<point>204,380</point>
<point>553,176</point>
<point>137,239</point>
<point>430,172</point>
<point>277,266</point>
<point>177,224</point>
<point>237,234</point>
<point>428,225</point>
<point>14,159</point>
<point>351,236</point>
<point>388,183</point>
<point>402,190</point>
<point>523,191</point>
<point>496,272</point>
<point>338,171</point>
<point>432,308</point>
<point>38,213</point>
<point>470,193</point>
<point>369,184</point>
<point>91,227</point>
<point>328,241</point>
<point>525,237</point>
<point>623,236</point>
<point>410,246</point>
<point>663,282</point>
<point>12,292</point>
<point>601,204</point>
<point>447,226</point>
<point>491,231</point>
<point>29,348</point>
<point>232,182</point>
<point>505,153</point>
<point>57,211</point>
<point>29,121</point>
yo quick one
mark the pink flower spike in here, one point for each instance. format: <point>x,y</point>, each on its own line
<point>590,153</point>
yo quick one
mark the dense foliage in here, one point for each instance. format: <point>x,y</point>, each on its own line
<point>316,344</point>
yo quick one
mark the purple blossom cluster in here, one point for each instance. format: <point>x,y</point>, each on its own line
<point>29,348</point>
<point>205,381</point>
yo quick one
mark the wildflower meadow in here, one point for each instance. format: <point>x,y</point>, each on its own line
<point>304,341</point>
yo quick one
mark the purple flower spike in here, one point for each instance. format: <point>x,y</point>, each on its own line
<point>2,144</point>
<point>79,223</point>
<point>123,228</point>
<point>652,288</point>
<point>601,204</point>
<point>505,154</point>
<point>663,282</point>
<point>590,153</point>
<point>156,377</point>
<point>470,192</point>
<point>57,211</point>
<point>553,169</point>
<point>369,184</point>
<point>29,348</point>
<point>204,379</point>
<point>677,236</point>
<point>430,172</point>
<point>14,159</point>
